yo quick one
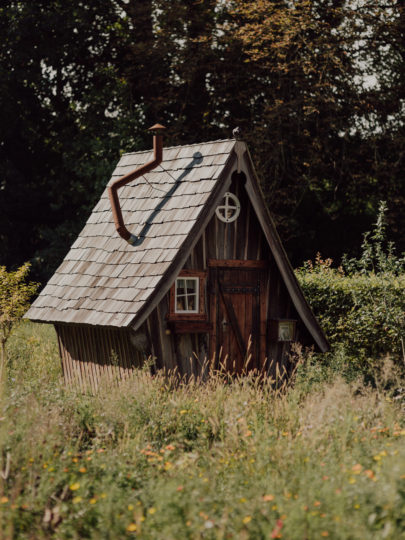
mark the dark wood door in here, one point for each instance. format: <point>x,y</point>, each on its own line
<point>235,312</point>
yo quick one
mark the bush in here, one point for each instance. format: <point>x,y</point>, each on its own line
<point>361,305</point>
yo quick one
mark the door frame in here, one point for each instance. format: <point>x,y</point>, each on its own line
<point>215,290</point>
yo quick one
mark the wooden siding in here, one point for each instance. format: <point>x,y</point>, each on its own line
<point>90,355</point>
<point>241,240</point>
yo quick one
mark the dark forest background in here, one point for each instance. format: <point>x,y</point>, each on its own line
<point>317,88</point>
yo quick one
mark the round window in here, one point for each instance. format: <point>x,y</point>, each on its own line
<point>229,210</point>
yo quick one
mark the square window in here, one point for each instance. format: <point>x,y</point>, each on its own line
<point>186,295</point>
<point>286,330</point>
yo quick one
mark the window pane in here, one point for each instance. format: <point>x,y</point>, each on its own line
<point>191,285</point>
<point>180,286</point>
<point>191,303</point>
<point>181,303</point>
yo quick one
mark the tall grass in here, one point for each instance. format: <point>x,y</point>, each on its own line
<point>156,459</point>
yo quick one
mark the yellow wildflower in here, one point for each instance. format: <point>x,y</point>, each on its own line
<point>131,527</point>
<point>247,519</point>
<point>74,487</point>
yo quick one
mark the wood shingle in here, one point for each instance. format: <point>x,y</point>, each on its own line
<point>103,280</point>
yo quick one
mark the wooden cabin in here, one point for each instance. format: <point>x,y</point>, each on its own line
<point>205,281</point>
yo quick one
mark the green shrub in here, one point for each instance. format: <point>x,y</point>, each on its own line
<point>361,305</point>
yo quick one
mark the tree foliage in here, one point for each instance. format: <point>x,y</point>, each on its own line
<point>15,294</point>
<point>316,86</point>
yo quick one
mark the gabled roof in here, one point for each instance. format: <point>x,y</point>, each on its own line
<point>105,281</point>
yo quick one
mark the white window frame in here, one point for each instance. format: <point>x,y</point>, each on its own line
<point>196,294</point>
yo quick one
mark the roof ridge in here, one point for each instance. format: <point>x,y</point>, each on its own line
<point>178,146</point>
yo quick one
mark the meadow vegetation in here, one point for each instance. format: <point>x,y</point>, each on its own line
<point>245,457</point>
<point>234,458</point>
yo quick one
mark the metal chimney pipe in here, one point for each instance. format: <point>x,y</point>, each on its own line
<point>113,189</point>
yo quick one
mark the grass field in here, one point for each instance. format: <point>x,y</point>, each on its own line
<point>155,460</point>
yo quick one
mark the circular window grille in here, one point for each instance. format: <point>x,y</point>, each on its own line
<point>229,210</point>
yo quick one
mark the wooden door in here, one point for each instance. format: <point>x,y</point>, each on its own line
<point>235,312</point>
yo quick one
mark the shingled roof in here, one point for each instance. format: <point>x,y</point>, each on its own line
<point>105,281</point>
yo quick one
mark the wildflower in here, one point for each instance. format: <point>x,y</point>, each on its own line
<point>247,519</point>
<point>356,506</point>
<point>208,524</point>
<point>317,503</point>
<point>357,468</point>
<point>324,533</point>
<point>103,495</point>
<point>75,459</point>
<point>268,498</point>
<point>131,507</point>
<point>183,411</point>
<point>4,500</point>
<point>248,433</point>
<point>93,500</point>
<point>370,474</point>
<point>352,480</point>
<point>242,500</point>
<point>131,527</point>
<point>168,466</point>
<point>74,487</point>
<point>83,470</point>
<point>277,529</point>
<point>76,500</point>
<point>152,510</point>
<point>179,488</point>
<point>170,447</point>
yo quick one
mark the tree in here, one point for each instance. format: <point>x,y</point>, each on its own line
<point>82,82</point>
<point>15,294</point>
<point>61,123</point>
